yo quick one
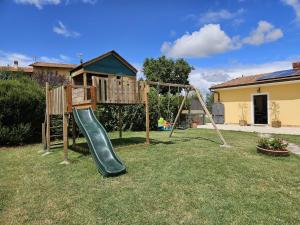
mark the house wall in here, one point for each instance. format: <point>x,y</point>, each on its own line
<point>52,70</point>
<point>286,96</point>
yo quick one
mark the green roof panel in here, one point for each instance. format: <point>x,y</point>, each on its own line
<point>110,65</point>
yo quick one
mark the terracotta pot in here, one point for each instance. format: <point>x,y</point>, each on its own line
<point>276,124</point>
<point>272,152</point>
<point>243,123</point>
<point>194,125</point>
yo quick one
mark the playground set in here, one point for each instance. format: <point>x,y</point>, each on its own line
<point>106,80</point>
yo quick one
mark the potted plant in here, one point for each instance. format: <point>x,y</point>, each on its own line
<point>243,118</point>
<point>272,146</point>
<point>275,113</point>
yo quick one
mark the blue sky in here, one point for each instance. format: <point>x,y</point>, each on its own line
<point>221,39</point>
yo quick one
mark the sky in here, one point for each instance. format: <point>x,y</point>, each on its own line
<point>221,39</point>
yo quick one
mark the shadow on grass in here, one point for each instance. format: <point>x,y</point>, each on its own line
<point>83,148</point>
<point>187,139</point>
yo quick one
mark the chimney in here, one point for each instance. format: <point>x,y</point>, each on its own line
<point>296,65</point>
<point>16,63</point>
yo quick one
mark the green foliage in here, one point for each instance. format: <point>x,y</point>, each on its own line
<point>167,70</point>
<point>209,100</point>
<point>9,75</point>
<point>134,115</point>
<point>272,143</point>
<point>22,104</point>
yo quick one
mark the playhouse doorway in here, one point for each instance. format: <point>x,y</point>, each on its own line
<point>260,105</point>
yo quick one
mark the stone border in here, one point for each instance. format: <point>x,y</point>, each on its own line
<point>272,152</point>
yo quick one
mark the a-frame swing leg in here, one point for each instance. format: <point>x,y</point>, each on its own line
<point>211,119</point>
<point>178,114</point>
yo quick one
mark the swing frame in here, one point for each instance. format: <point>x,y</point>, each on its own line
<point>199,97</point>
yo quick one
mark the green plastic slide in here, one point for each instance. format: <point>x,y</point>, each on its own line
<point>99,143</point>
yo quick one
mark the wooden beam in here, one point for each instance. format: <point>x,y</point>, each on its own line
<point>168,84</point>
<point>85,86</point>
<point>178,114</point>
<point>47,118</point>
<point>68,91</point>
<point>93,97</point>
<point>210,117</point>
<point>65,125</point>
<point>76,73</point>
<point>146,92</point>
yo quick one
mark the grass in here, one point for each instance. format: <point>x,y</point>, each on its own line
<point>187,179</point>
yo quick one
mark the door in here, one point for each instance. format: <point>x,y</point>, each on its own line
<point>218,113</point>
<point>260,109</point>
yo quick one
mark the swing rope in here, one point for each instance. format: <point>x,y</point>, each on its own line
<point>169,99</point>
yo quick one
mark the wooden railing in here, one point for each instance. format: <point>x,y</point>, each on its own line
<point>56,101</point>
<point>103,91</point>
<point>118,91</point>
<point>79,96</point>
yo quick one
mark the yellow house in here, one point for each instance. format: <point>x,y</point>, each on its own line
<point>260,99</point>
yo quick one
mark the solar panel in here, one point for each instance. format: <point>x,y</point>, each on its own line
<point>279,74</point>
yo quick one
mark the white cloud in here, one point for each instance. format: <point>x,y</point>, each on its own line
<point>211,39</point>
<point>90,1</point>
<point>265,32</point>
<point>216,16</point>
<point>203,78</point>
<point>61,29</point>
<point>295,4</point>
<point>196,43</point>
<point>7,58</point>
<point>39,3</point>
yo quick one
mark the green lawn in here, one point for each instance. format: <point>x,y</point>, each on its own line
<point>187,179</point>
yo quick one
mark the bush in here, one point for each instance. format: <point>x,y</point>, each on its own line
<point>22,105</point>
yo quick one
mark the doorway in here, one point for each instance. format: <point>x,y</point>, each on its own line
<point>260,105</point>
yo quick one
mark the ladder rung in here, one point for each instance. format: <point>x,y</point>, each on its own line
<point>56,135</point>
<point>56,127</point>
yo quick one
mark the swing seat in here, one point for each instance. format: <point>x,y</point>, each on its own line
<point>162,128</point>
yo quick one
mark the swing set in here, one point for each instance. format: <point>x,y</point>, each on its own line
<point>187,89</point>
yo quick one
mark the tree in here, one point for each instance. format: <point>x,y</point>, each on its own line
<point>209,100</point>
<point>167,70</point>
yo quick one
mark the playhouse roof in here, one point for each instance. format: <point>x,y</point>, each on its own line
<point>110,62</point>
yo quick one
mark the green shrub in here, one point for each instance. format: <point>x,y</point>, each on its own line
<point>272,143</point>
<point>22,105</point>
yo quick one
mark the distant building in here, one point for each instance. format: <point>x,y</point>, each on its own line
<point>16,68</point>
<point>44,68</point>
<point>52,68</point>
<point>260,99</point>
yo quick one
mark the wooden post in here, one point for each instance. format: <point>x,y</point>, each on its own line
<point>120,121</point>
<point>85,86</point>
<point>69,98</point>
<point>146,92</point>
<point>178,114</point>
<point>65,124</point>
<point>47,118</point>
<point>65,136</point>
<point>44,136</point>
<point>210,118</point>
<point>93,97</point>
